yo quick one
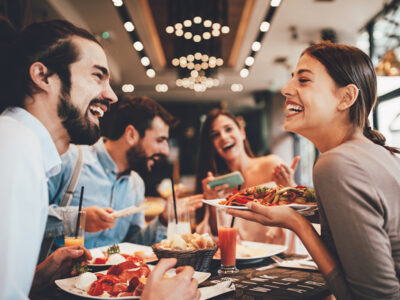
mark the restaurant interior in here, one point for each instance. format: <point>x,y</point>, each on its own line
<point>244,62</point>
<point>192,56</point>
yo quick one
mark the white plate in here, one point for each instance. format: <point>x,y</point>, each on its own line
<point>269,250</point>
<point>68,285</point>
<point>125,248</point>
<point>215,202</point>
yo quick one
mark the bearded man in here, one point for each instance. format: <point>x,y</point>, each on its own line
<point>136,137</point>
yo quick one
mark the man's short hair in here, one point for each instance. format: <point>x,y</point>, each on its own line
<point>47,42</point>
<point>136,111</point>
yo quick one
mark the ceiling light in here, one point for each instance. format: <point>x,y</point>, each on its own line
<point>244,73</point>
<point>219,62</point>
<point>117,3</point>
<point>207,23</point>
<point>215,33</point>
<point>128,88</point>
<point>190,57</point>
<point>179,32</point>
<point>236,87</point>
<point>178,26</point>
<point>145,61</point>
<point>216,26</point>
<point>194,73</point>
<point>169,29</point>
<point>225,29</point>
<point>197,55</point>
<point>264,26</point>
<point>197,20</point>
<point>187,23</point>
<point>150,73</point>
<point>256,46</point>
<point>188,35</point>
<point>197,38</point>
<point>275,3</point>
<point>175,62</point>
<point>138,46</point>
<point>249,61</point>
<point>129,26</point>
<point>161,88</point>
<point>206,35</point>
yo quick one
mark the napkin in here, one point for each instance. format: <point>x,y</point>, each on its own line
<point>299,264</point>
<point>130,210</point>
<point>217,289</point>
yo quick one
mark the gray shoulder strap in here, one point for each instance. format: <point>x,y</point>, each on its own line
<point>66,200</point>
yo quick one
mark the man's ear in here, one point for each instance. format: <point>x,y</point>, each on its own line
<point>131,135</point>
<point>40,75</point>
<point>348,95</point>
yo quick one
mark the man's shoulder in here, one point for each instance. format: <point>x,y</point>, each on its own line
<point>14,134</point>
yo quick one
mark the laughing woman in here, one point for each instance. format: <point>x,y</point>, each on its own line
<point>356,177</point>
<point>223,149</point>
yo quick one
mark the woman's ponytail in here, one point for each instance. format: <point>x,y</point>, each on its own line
<point>378,138</point>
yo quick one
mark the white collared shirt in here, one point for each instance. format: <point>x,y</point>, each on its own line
<point>28,157</point>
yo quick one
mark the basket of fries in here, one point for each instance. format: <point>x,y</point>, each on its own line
<point>189,249</point>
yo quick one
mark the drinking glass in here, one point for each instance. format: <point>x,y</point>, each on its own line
<point>227,242</point>
<point>74,234</point>
<point>183,225</point>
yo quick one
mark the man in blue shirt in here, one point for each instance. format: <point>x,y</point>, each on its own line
<point>137,131</point>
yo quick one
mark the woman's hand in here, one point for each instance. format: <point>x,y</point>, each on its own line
<point>213,193</point>
<point>279,216</point>
<point>284,175</point>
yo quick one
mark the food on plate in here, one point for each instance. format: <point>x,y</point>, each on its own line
<point>79,267</point>
<point>112,256</point>
<point>244,251</point>
<point>272,196</point>
<point>187,241</point>
<point>85,280</point>
<point>124,279</point>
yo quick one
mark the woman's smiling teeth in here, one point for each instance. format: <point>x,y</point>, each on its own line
<point>96,110</point>
<point>227,147</point>
<point>294,108</point>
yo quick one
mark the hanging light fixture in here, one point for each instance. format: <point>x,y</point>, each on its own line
<point>389,65</point>
<point>197,28</point>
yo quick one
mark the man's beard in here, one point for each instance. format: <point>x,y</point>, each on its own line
<point>138,160</point>
<point>78,126</point>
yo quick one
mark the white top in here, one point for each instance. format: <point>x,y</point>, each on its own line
<point>28,157</point>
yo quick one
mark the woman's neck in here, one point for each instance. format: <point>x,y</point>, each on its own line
<point>337,136</point>
<point>241,164</point>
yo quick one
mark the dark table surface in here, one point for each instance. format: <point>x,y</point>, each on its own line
<point>250,283</point>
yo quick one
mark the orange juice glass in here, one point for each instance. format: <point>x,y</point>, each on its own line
<point>74,234</point>
<point>227,243</point>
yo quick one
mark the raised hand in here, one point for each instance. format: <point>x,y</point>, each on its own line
<point>284,175</point>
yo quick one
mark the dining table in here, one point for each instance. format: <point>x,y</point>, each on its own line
<point>258,279</point>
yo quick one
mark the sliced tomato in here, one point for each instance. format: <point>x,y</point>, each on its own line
<point>95,289</point>
<point>100,261</point>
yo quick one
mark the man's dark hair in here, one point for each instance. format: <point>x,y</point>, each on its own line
<point>47,42</point>
<point>136,111</point>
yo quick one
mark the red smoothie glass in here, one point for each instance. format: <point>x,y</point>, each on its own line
<point>227,243</point>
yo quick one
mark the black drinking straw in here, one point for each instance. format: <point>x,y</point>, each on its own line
<point>233,218</point>
<point>79,210</point>
<point>174,198</point>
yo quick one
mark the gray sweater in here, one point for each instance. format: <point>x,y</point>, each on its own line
<point>358,192</point>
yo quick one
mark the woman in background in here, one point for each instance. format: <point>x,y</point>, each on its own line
<point>356,177</point>
<point>224,149</point>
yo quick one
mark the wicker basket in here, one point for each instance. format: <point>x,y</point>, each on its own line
<point>199,259</point>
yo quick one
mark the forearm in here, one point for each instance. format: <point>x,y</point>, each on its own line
<point>315,246</point>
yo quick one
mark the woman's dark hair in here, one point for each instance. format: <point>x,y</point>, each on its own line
<point>47,42</point>
<point>349,65</point>
<point>136,111</point>
<point>208,158</point>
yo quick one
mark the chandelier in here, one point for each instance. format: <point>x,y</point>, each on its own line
<point>196,28</point>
